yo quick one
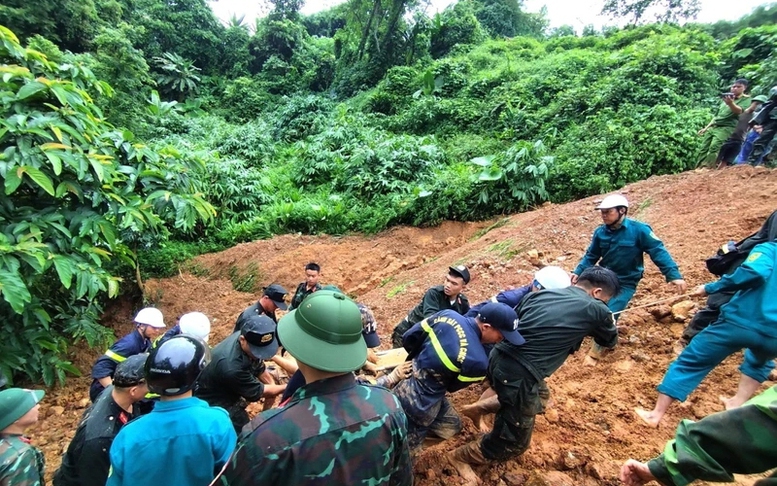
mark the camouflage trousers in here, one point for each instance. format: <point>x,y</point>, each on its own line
<point>439,420</point>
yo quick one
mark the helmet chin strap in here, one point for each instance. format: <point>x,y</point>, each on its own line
<point>617,224</point>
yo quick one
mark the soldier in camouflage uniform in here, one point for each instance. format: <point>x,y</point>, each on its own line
<point>334,430</point>
<point>738,441</point>
<point>21,464</point>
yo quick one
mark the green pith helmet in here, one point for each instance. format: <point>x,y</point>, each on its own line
<point>325,332</point>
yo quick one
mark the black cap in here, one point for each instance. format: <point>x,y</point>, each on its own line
<point>277,294</point>
<point>502,317</point>
<point>259,332</point>
<point>131,371</point>
<point>461,271</point>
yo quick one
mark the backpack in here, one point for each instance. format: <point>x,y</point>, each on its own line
<point>727,258</point>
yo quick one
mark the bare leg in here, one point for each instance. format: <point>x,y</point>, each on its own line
<point>747,388</point>
<point>462,458</point>
<point>653,417</point>
<point>488,403</point>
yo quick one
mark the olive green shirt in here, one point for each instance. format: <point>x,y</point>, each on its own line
<point>724,117</point>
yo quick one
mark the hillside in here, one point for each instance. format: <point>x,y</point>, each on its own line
<point>590,429</point>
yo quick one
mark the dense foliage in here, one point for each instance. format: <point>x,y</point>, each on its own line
<point>140,133</point>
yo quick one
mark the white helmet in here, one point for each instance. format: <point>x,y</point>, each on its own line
<point>613,202</point>
<point>150,316</point>
<point>553,278</point>
<point>195,323</point>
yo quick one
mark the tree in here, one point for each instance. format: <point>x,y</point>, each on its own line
<point>75,192</point>
<point>664,10</point>
<point>177,76</point>
<point>505,18</point>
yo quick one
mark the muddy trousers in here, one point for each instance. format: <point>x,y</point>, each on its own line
<point>709,348</point>
<point>439,421</point>
<point>707,315</point>
<point>519,402</point>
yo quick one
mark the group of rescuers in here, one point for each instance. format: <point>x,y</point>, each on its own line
<point>168,410</point>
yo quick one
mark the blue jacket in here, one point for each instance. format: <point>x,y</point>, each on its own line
<point>183,442</point>
<point>510,297</point>
<point>130,345</point>
<point>449,343</point>
<point>755,304</point>
<point>622,251</point>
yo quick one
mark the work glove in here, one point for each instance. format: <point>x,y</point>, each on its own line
<point>398,374</point>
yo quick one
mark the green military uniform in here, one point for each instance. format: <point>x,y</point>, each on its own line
<point>433,302</point>
<point>738,441</point>
<point>723,125</point>
<point>302,292</point>
<point>293,444</point>
<point>21,464</point>
<point>334,430</point>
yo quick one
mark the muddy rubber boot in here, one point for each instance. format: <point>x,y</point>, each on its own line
<point>463,457</point>
<point>477,410</point>
<point>544,394</point>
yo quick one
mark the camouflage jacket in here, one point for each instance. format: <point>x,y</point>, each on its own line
<point>332,431</point>
<point>740,441</point>
<point>20,463</point>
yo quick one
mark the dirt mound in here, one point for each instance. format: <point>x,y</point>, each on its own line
<point>591,428</point>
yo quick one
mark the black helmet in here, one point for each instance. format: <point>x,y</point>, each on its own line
<point>174,366</point>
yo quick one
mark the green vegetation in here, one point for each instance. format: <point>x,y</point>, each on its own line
<point>138,134</point>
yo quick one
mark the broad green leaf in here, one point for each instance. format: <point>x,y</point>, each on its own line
<point>30,89</point>
<point>493,174</point>
<point>40,178</point>
<point>12,182</point>
<point>65,269</point>
<point>483,161</point>
<point>14,290</point>
<point>56,162</point>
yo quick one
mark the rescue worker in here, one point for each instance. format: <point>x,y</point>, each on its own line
<point>334,430</point>
<point>148,326</point>
<point>549,277</point>
<point>87,460</point>
<point>21,463</point>
<point>371,338</point>
<point>554,324</point>
<point>310,285</point>
<point>230,380</point>
<point>182,441</point>
<point>448,355</point>
<point>711,311</point>
<point>767,119</point>
<point>738,441</point>
<point>448,296</point>
<point>747,321</point>
<point>195,324</point>
<point>620,244</point>
<point>272,299</point>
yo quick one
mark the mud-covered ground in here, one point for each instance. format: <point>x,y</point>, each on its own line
<point>591,427</point>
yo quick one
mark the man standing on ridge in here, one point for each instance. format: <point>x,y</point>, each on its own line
<point>722,124</point>
<point>448,296</point>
